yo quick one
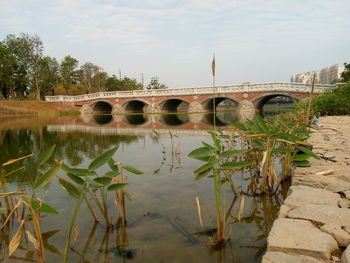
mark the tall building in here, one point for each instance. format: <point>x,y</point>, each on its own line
<point>323,76</point>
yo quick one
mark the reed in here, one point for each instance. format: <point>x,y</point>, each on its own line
<point>28,208</point>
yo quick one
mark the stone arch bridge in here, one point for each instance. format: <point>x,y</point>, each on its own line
<point>244,97</point>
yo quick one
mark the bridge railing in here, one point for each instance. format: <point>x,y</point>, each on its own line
<point>239,88</point>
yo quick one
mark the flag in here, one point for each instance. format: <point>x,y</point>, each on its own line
<point>213,66</point>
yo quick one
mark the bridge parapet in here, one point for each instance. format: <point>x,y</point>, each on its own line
<point>239,88</point>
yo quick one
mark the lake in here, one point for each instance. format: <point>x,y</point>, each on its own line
<point>162,222</point>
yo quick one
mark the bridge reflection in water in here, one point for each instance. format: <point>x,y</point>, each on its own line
<point>141,124</point>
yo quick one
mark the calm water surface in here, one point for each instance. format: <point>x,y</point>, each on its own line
<point>162,219</point>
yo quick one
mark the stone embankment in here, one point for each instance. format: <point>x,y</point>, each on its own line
<point>314,222</point>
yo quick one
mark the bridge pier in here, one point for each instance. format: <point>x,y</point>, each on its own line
<point>118,109</point>
<point>195,107</point>
<point>152,108</point>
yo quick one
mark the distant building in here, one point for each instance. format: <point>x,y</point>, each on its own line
<point>323,76</point>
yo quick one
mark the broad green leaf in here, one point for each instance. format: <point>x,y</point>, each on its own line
<point>45,208</point>
<point>75,178</point>
<point>204,159</point>
<point>104,180</point>
<point>301,157</point>
<point>304,163</point>
<point>111,164</point>
<point>132,169</point>
<point>283,150</point>
<point>208,145</point>
<point>114,187</point>
<point>202,174</point>
<point>78,171</point>
<point>44,179</point>
<point>200,152</point>
<point>235,165</point>
<point>102,159</point>
<point>111,174</point>
<point>70,188</point>
<point>216,141</point>
<point>309,152</point>
<point>46,155</point>
<point>203,168</point>
<point>233,153</point>
<point>93,184</point>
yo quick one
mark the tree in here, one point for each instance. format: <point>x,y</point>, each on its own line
<point>113,84</point>
<point>26,51</point>
<point>154,84</point>
<point>130,84</point>
<point>7,70</point>
<point>88,71</point>
<point>35,49</point>
<point>67,70</point>
<point>49,72</point>
<point>345,75</point>
<point>99,80</point>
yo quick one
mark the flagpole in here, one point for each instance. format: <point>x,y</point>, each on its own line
<point>213,72</point>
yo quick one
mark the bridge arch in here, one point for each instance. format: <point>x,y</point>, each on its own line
<point>260,101</point>
<point>135,106</point>
<point>223,101</point>
<point>101,107</point>
<point>174,105</point>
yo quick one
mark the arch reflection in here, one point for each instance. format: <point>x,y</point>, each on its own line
<point>102,119</point>
<point>137,119</point>
<point>174,119</point>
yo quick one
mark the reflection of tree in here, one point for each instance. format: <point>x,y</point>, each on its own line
<point>72,148</point>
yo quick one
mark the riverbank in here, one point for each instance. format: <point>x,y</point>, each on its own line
<point>314,223</point>
<point>32,108</point>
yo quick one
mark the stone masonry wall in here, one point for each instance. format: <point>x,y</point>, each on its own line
<point>314,222</point>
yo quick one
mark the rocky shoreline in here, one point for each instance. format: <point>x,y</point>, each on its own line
<point>314,222</point>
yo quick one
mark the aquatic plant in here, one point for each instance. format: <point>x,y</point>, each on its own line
<point>28,208</point>
<point>84,183</point>
<point>217,162</point>
<point>269,143</point>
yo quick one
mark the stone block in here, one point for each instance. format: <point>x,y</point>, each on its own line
<point>322,213</point>
<point>300,237</point>
<point>280,257</point>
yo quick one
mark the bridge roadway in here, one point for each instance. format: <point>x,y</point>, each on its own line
<point>198,99</point>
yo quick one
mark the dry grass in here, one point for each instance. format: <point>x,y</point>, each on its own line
<point>18,108</point>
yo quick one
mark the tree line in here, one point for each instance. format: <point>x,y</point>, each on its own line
<point>25,72</point>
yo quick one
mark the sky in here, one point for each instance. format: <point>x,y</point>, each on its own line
<point>253,40</point>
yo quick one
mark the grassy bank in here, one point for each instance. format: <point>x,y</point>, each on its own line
<point>32,108</point>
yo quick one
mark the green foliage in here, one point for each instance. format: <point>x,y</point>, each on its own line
<point>221,163</point>
<point>345,75</point>
<point>25,72</point>
<point>67,71</point>
<point>333,102</point>
<point>114,84</point>
<point>155,84</point>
